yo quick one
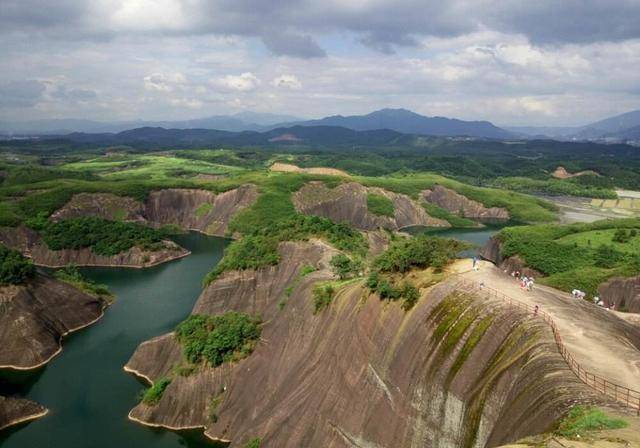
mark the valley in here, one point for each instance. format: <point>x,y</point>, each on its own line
<point>338,294</point>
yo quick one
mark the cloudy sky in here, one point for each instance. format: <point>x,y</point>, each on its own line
<point>543,62</point>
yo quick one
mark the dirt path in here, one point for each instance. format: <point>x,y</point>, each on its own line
<point>599,340</point>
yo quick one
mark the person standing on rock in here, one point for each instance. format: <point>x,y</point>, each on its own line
<point>475,263</point>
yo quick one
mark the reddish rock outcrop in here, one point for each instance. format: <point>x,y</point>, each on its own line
<point>491,251</point>
<point>14,411</point>
<point>35,316</point>
<point>364,372</point>
<point>104,205</point>
<point>31,245</point>
<point>198,210</point>
<point>348,203</point>
<point>461,205</point>
<point>624,293</point>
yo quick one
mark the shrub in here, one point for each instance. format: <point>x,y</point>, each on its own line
<point>621,236</point>
<point>153,395</point>
<point>380,205</point>
<point>344,267</point>
<point>580,420</point>
<point>607,257</point>
<point>217,339</point>
<point>71,275</point>
<point>421,251</point>
<point>410,294</point>
<point>322,296</point>
<point>260,248</point>
<point>253,443</point>
<point>103,237</point>
<point>14,267</point>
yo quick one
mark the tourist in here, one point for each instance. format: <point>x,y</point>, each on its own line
<point>475,263</point>
<point>535,310</point>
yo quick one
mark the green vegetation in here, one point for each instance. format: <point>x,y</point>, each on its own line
<point>253,443</point>
<point>442,213</point>
<point>521,207</point>
<point>578,255</point>
<point>153,394</point>
<point>323,296</point>
<point>422,251</point>
<point>14,268</point>
<point>576,186</point>
<point>217,339</point>
<point>380,205</point>
<point>204,209</point>
<point>260,248</point>
<point>345,267</point>
<point>103,237</point>
<point>71,275</point>
<point>581,420</point>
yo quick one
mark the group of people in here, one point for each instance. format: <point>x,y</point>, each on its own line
<point>577,294</point>
<point>525,282</point>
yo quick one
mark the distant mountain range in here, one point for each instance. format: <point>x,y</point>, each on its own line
<point>618,128</point>
<point>625,127</point>
<point>399,120</point>
<point>407,122</point>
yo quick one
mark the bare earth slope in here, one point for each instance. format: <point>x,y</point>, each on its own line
<point>36,316</point>
<point>363,372</point>
<point>348,203</point>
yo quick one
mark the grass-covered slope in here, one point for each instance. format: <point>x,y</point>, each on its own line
<point>578,255</point>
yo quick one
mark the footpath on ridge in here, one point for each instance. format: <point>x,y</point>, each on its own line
<point>600,341</point>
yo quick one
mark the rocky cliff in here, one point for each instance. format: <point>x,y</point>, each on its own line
<point>35,316</point>
<point>104,205</point>
<point>14,411</point>
<point>461,205</point>
<point>198,210</point>
<point>190,209</point>
<point>348,203</point>
<point>455,371</point>
<point>624,293</point>
<point>31,245</point>
<point>491,251</point>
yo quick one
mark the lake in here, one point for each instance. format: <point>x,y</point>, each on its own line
<point>85,388</point>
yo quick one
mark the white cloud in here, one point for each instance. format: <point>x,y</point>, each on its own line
<point>287,82</point>
<point>160,82</point>
<point>244,82</point>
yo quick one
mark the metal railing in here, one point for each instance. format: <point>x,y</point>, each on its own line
<point>622,394</point>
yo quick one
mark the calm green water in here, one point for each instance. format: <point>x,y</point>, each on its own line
<point>478,237</point>
<point>86,390</point>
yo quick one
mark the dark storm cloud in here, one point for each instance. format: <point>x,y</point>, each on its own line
<point>290,26</point>
<point>21,93</point>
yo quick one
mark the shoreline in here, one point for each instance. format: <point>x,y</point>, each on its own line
<point>26,419</point>
<point>176,428</point>
<point>105,265</point>
<point>60,340</point>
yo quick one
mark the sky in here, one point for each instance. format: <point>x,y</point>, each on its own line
<point>513,62</point>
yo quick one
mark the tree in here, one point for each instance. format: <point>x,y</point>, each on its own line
<point>344,267</point>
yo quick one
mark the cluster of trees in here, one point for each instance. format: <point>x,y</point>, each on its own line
<point>624,235</point>
<point>14,268</point>
<point>103,237</point>
<point>71,275</point>
<point>153,394</point>
<point>217,339</point>
<point>387,290</point>
<point>260,248</point>
<point>421,251</point>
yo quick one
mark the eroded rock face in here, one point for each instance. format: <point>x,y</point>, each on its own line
<point>348,203</point>
<point>199,210</point>
<point>14,411</point>
<point>35,316</point>
<point>364,372</point>
<point>104,205</point>
<point>624,293</point>
<point>461,205</point>
<point>31,245</point>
